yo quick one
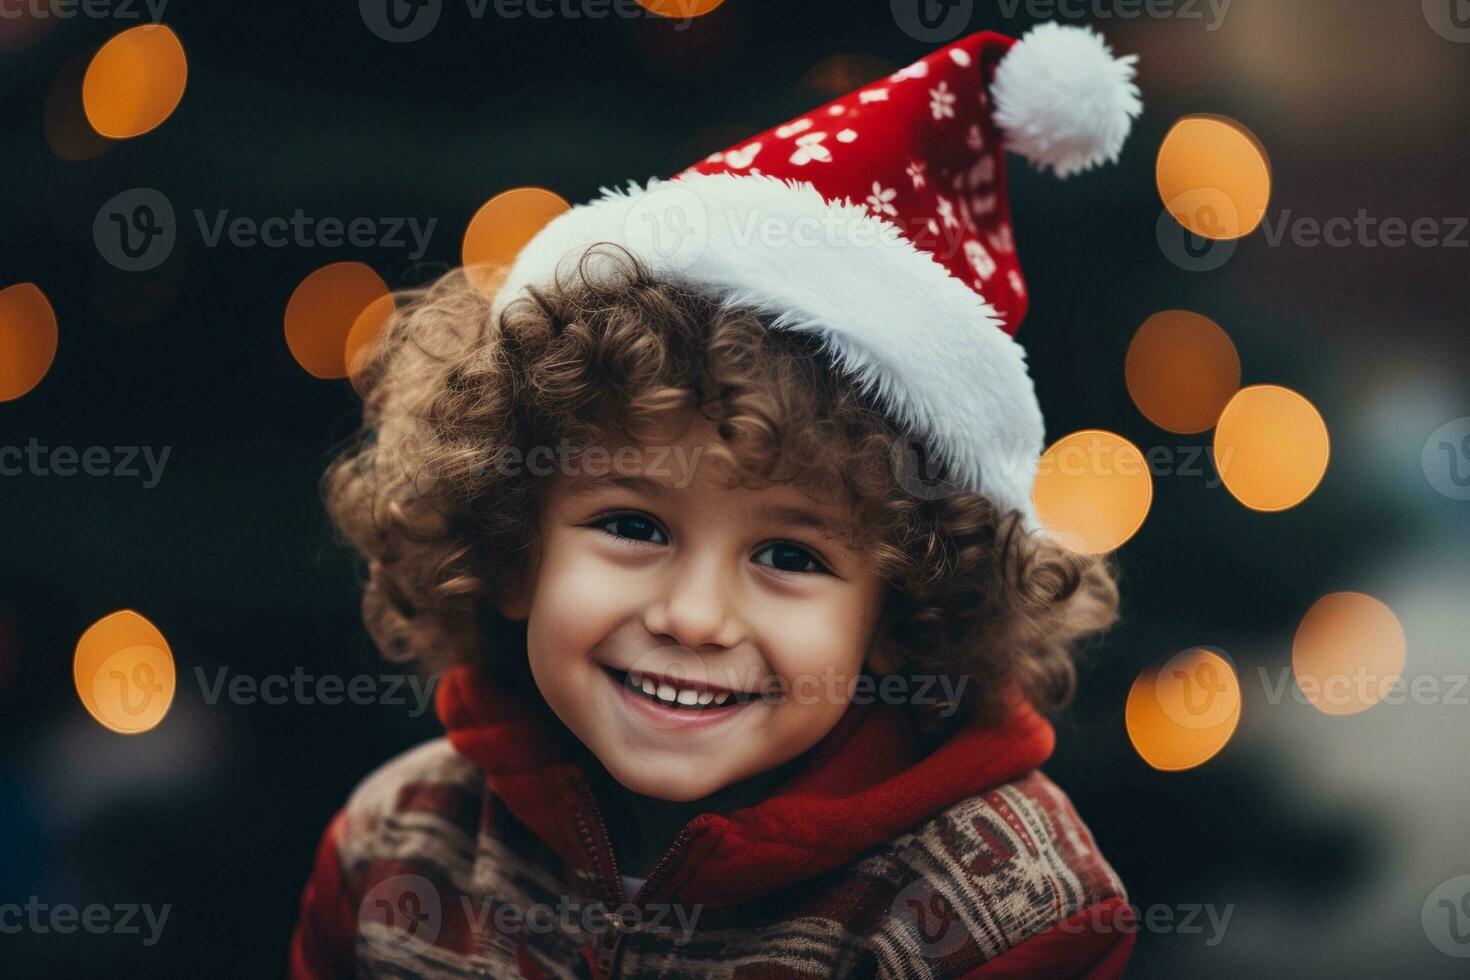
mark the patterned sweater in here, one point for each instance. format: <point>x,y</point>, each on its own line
<point>486,855</point>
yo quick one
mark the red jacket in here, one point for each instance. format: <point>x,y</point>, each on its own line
<point>487,855</point>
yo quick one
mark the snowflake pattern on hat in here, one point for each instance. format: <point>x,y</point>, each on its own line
<point>920,149</point>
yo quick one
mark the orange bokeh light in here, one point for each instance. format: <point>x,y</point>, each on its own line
<point>679,9</point>
<point>1184,713</point>
<point>1348,653</point>
<point>1093,491</point>
<point>27,339</point>
<point>1214,176</point>
<point>135,81</point>
<point>64,122</point>
<point>1271,447</point>
<point>124,673</point>
<point>362,339</point>
<point>502,227</point>
<point>1182,370</point>
<point>322,312</point>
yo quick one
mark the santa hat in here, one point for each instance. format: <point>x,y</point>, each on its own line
<point>880,223</point>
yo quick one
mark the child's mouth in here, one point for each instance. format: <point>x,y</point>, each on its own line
<point>694,699</point>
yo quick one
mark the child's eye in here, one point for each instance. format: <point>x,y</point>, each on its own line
<point>635,527</point>
<point>787,557</point>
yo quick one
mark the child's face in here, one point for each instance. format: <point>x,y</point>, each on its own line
<point>672,573</point>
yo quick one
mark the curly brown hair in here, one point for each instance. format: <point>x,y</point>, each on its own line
<point>614,350</point>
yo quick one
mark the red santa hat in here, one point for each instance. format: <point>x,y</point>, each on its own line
<point>880,223</point>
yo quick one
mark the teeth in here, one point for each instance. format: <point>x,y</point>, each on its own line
<point>669,694</point>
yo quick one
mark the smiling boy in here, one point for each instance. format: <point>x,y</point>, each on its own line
<point>649,683</point>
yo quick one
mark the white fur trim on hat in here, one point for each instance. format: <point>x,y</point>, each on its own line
<point>925,344</point>
<point>1063,100</point>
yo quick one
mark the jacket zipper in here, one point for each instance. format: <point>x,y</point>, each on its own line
<point>610,944</point>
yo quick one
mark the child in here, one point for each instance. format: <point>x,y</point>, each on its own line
<point>737,689</point>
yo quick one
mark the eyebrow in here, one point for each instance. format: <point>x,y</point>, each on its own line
<point>800,517</point>
<point>588,485</point>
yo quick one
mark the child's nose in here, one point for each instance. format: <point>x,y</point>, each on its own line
<point>697,606</point>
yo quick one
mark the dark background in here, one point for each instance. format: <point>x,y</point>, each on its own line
<point>1326,834</point>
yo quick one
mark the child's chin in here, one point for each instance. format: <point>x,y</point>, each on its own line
<point>673,784</point>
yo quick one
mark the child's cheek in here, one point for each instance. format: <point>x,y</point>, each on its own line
<point>817,649</point>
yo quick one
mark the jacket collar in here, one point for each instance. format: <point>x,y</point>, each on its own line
<point>868,780</point>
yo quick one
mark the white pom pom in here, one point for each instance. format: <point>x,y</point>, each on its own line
<point>1063,100</point>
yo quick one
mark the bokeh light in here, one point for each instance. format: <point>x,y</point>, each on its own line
<point>680,9</point>
<point>124,673</point>
<point>502,227</point>
<point>322,312</point>
<point>68,133</point>
<point>362,339</point>
<point>1093,491</point>
<point>840,74</point>
<point>22,24</point>
<point>1348,653</point>
<point>27,339</point>
<point>1271,447</point>
<point>1181,715</point>
<point>1182,370</point>
<point>135,81</point>
<point>1214,176</point>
